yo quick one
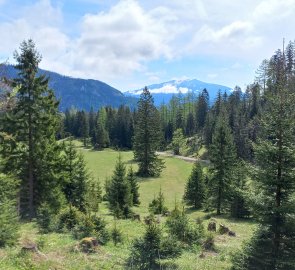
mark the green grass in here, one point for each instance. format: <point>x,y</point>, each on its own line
<point>59,249</point>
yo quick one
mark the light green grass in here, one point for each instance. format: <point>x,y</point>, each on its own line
<point>58,249</point>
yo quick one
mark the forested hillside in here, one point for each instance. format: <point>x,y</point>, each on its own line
<point>74,196</point>
<point>79,93</point>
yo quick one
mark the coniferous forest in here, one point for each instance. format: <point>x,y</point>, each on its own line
<point>230,207</point>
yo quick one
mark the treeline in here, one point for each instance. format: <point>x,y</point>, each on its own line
<point>107,127</point>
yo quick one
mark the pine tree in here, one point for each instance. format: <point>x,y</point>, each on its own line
<point>273,246</point>
<point>75,175</point>
<point>146,250</point>
<point>202,108</point>
<point>239,207</point>
<point>93,196</point>
<point>147,136</point>
<point>195,189</point>
<point>157,206</point>
<point>33,122</point>
<point>119,192</point>
<point>222,155</point>
<point>133,186</point>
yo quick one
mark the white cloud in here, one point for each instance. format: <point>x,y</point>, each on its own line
<point>121,40</point>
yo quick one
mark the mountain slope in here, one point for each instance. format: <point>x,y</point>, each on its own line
<point>163,92</point>
<point>80,93</point>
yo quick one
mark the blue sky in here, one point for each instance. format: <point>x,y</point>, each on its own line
<point>131,43</point>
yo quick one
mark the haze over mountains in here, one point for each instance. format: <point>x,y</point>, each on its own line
<point>87,93</point>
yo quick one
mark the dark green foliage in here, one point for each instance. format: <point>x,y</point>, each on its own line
<point>147,136</point>
<point>195,187</point>
<point>116,235</point>
<point>69,217</point>
<point>75,175</point>
<point>272,247</point>
<point>146,252</point>
<point>132,179</point>
<point>119,192</point>
<point>46,218</point>
<point>239,206</point>
<point>202,109</point>
<point>222,156</point>
<point>93,196</point>
<point>91,226</point>
<point>258,252</point>
<point>9,224</point>
<point>181,227</point>
<point>157,206</point>
<point>33,122</point>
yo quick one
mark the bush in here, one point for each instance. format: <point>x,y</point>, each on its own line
<point>91,226</point>
<point>69,217</point>
<point>46,219</point>
<point>181,228</point>
<point>116,235</point>
<point>157,206</point>
<point>148,251</point>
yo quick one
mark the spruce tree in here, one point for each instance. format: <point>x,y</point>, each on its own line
<point>147,136</point>
<point>119,192</point>
<point>93,196</point>
<point>157,206</point>
<point>195,189</point>
<point>33,122</point>
<point>132,179</point>
<point>222,155</point>
<point>75,175</point>
<point>273,245</point>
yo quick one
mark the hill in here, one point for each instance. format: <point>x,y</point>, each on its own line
<point>80,93</point>
<point>163,92</point>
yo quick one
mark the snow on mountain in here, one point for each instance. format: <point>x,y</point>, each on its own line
<point>163,92</point>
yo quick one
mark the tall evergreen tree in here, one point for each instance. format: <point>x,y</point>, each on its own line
<point>34,122</point>
<point>222,156</point>
<point>273,246</point>
<point>202,108</point>
<point>195,189</point>
<point>147,136</point>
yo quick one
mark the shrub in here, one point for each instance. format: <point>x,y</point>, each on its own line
<point>157,206</point>
<point>46,219</point>
<point>181,228</point>
<point>148,251</point>
<point>91,226</point>
<point>69,217</point>
<point>116,235</point>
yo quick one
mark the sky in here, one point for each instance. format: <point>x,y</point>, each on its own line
<point>132,43</point>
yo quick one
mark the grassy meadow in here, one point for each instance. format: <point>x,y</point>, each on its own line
<point>58,250</point>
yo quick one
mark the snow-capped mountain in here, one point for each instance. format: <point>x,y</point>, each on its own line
<point>163,92</point>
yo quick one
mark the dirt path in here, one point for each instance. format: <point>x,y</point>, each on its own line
<point>187,159</point>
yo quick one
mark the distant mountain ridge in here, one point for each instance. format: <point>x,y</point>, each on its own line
<point>81,93</point>
<point>163,92</point>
